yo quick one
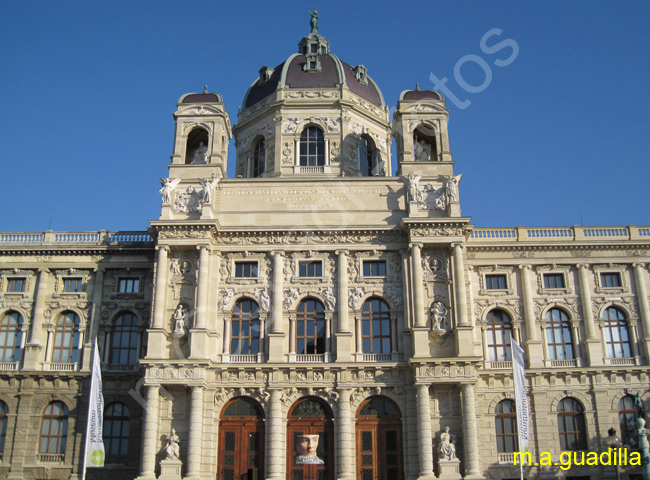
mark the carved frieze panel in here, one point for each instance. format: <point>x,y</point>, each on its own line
<point>311,238</point>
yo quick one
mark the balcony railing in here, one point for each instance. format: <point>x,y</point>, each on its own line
<point>311,358</point>
<point>60,367</point>
<point>621,361</point>
<point>562,363</point>
<point>506,457</point>
<point>498,365</point>
<point>227,358</point>
<point>559,234</point>
<point>113,367</point>
<point>378,357</point>
<point>10,366</point>
<point>101,237</point>
<point>50,457</point>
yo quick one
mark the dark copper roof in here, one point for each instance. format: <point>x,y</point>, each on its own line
<point>333,74</point>
<point>201,98</point>
<point>421,95</point>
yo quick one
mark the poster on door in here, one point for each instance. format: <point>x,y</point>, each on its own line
<point>308,450</point>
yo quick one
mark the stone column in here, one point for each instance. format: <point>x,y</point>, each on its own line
<point>464,332</point>
<point>345,435</point>
<point>278,267</point>
<point>344,321</point>
<point>425,445</point>
<point>161,288</point>
<point>150,435</point>
<point>359,332</point>
<point>644,310</point>
<point>276,336</point>
<point>203,287</point>
<point>195,444</point>
<point>275,434</point>
<point>470,432</point>
<point>592,342</point>
<point>343,334</point>
<point>34,347</point>
<point>418,287</point>
<point>459,285</point>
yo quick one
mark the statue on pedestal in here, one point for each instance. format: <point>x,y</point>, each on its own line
<point>447,446</point>
<point>173,447</point>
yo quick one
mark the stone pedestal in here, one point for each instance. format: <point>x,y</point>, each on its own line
<point>170,470</point>
<point>449,469</point>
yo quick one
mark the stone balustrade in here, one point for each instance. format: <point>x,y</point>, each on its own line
<point>101,237</point>
<point>559,234</point>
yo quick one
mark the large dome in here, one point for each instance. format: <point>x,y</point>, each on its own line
<point>313,67</point>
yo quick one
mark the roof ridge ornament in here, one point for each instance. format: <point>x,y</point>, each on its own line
<point>313,21</point>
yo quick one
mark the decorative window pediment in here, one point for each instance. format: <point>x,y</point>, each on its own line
<point>361,74</point>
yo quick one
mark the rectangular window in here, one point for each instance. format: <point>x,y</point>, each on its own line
<point>71,285</point>
<point>495,282</point>
<point>553,280</point>
<point>16,285</point>
<point>311,269</point>
<point>129,285</point>
<point>246,269</point>
<point>610,279</point>
<point>374,268</point>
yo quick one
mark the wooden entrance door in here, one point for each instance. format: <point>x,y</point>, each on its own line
<point>379,441</point>
<point>310,442</point>
<point>241,442</point>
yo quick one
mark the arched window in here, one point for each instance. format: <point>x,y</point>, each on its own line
<point>117,428</point>
<point>505,423</point>
<point>627,418</point>
<point>312,147</point>
<point>4,411</point>
<point>499,332</point>
<point>197,146</point>
<point>368,157</point>
<point>66,339</point>
<point>379,439</point>
<point>54,429</point>
<point>571,425</point>
<point>616,334</point>
<point>258,165</point>
<point>241,440</point>
<point>310,327</point>
<point>125,339</point>
<point>245,333</point>
<point>558,335</point>
<point>11,337</point>
<point>375,327</point>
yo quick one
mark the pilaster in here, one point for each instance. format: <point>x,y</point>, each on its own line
<point>644,310</point>
<point>345,436</point>
<point>425,446</point>
<point>150,434</point>
<point>157,340</point>
<point>195,445</point>
<point>533,342</point>
<point>593,344</point>
<point>34,348</point>
<point>275,441</point>
<point>470,432</point>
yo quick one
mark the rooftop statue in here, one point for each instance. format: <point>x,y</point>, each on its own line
<point>314,21</point>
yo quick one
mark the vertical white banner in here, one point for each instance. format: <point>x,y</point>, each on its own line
<point>94,436</point>
<point>521,399</point>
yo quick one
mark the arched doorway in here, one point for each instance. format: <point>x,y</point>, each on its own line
<point>241,441</point>
<point>310,441</point>
<point>379,440</point>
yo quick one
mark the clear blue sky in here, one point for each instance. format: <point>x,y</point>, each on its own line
<point>88,90</point>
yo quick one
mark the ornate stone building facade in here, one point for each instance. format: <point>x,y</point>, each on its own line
<point>318,317</point>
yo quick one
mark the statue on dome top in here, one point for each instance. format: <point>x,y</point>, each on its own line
<point>313,21</point>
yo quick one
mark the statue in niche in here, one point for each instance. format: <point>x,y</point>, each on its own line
<point>180,319</point>
<point>173,447</point>
<point>208,185</point>
<point>447,446</point>
<point>438,316</point>
<point>414,187</point>
<point>313,21</point>
<point>422,151</point>
<point>168,186</point>
<point>200,153</point>
<point>330,299</point>
<point>265,301</point>
<point>451,187</point>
